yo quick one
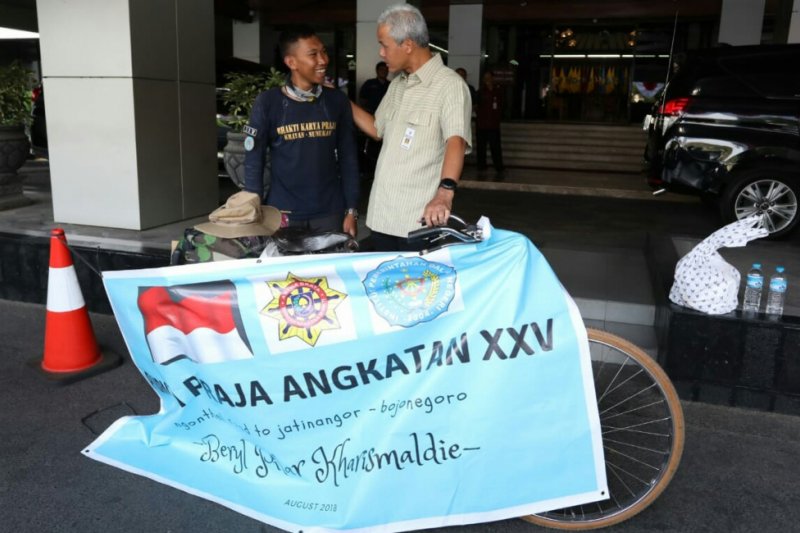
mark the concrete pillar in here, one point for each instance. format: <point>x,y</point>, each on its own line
<point>247,40</point>
<point>741,22</point>
<point>787,22</point>
<point>794,24</point>
<point>464,40</point>
<point>367,55</point>
<point>130,110</point>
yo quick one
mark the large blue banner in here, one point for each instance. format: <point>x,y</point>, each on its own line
<point>363,392</point>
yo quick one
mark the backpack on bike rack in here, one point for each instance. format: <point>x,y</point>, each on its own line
<point>198,247</point>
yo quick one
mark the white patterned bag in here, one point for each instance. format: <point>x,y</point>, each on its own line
<point>704,281</point>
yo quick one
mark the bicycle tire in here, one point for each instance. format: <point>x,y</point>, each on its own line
<point>654,430</point>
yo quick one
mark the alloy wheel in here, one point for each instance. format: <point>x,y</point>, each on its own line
<point>773,200</point>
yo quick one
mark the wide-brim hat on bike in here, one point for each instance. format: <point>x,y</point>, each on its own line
<point>242,215</point>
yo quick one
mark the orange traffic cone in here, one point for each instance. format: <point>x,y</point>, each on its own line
<point>71,351</point>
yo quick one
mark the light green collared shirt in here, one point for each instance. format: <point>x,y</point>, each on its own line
<point>416,117</point>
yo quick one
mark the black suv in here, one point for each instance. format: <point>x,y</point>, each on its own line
<point>727,128</point>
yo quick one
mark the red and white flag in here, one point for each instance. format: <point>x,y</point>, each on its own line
<point>200,322</point>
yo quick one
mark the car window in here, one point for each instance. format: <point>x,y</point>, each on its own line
<point>703,76</point>
<point>772,74</point>
<point>688,71</point>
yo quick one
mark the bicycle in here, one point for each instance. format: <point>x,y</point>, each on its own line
<point>641,417</point>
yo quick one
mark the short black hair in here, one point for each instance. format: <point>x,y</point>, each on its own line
<point>379,64</point>
<point>291,35</point>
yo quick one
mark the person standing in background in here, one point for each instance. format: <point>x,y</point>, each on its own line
<point>373,90</point>
<point>473,94</point>
<point>369,97</point>
<point>487,122</point>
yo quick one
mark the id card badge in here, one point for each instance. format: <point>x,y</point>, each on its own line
<point>407,139</point>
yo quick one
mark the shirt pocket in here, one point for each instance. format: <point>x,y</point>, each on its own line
<point>420,119</point>
<point>421,127</point>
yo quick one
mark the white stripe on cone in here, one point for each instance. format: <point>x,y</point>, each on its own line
<point>63,290</point>
<point>203,345</point>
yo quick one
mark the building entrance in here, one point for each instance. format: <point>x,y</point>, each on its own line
<point>586,72</point>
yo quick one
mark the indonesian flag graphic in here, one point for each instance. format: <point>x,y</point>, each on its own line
<point>200,322</point>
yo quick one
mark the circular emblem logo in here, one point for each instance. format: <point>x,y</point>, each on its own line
<point>409,290</point>
<point>249,143</point>
<point>303,304</point>
<point>303,307</point>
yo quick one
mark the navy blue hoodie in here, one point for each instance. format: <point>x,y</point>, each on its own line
<point>312,148</point>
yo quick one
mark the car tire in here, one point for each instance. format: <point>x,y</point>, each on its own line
<point>771,192</point>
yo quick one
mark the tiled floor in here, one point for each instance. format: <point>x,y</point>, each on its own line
<point>607,285</point>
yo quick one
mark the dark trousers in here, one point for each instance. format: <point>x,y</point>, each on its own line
<point>368,156</point>
<point>334,223</point>
<point>381,242</point>
<point>492,137</point>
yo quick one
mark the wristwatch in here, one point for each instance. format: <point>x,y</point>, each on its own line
<point>448,184</point>
<point>352,211</point>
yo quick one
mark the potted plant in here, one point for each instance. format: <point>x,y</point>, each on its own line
<point>238,95</point>
<point>16,83</point>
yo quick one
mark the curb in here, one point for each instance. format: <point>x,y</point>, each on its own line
<point>574,191</point>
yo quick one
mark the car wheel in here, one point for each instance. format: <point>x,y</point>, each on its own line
<point>767,192</point>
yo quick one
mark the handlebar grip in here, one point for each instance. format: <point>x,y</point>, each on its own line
<point>424,232</point>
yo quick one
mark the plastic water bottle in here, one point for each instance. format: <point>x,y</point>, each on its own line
<point>752,290</point>
<point>777,292</point>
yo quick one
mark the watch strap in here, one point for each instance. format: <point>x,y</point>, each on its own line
<point>448,184</point>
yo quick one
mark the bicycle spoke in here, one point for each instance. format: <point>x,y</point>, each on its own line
<point>643,482</point>
<point>630,457</point>
<point>613,429</point>
<point>599,371</point>
<point>638,447</point>
<point>600,398</point>
<point>629,411</point>
<point>611,469</point>
<point>628,398</point>
<point>622,365</point>
<point>616,501</point>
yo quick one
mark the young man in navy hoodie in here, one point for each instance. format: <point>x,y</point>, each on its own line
<point>309,133</point>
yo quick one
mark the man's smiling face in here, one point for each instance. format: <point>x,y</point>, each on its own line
<point>308,61</point>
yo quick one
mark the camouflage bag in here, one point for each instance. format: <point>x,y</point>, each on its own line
<point>198,247</point>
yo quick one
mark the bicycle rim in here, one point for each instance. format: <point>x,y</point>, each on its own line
<point>642,428</point>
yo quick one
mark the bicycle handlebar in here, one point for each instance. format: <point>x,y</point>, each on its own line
<point>438,236</point>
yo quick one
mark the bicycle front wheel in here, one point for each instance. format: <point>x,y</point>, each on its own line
<point>642,427</point>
